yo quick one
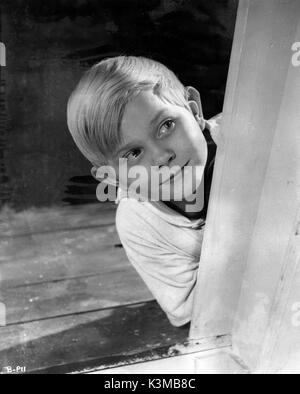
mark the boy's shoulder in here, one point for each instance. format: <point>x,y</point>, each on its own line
<point>150,230</point>
<point>145,218</point>
<point>131,214</point>
<point>140,226</point>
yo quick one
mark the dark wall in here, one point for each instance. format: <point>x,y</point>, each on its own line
<point>50,43</point>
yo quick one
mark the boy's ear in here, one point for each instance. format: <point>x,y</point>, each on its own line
<point>94,173</point>
<point>194,101</point>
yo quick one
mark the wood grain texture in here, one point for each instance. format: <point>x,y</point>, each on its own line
<point>281,348</point>
<point>56,262</point>
<point>56,256</point>
<point>41,245</point>
<point>55,219</point>
<point>90,340</point>
<point>260,63</point>
<point>70,296</point>
<point>248,272</point>
<point>271,281</point>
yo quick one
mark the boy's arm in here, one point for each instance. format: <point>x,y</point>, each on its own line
<point>170,276</point>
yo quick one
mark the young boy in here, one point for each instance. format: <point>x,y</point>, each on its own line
<point>130,112</point>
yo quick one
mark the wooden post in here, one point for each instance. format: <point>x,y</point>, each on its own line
<point>249,248</point>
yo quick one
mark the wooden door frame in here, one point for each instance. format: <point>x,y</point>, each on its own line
<point>250,254</point>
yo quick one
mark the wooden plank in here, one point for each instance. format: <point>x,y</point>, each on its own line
<point>90,340</point>
<point>45,300</point>
<point>214,262</point>
<point>54,219</point>
<point>266,331</point>
<point>271,281</point>
<point>59,255</point>
<point>281,347</point>
<point>257,94</point>
<point>41,245</point>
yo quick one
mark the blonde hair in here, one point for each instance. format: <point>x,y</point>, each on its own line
<point>97,105</point>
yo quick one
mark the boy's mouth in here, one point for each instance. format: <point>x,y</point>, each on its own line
<point>177,173</point>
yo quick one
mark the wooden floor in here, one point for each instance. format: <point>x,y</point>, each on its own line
<point>73,301</point>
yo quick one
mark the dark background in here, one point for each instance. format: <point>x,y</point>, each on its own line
<point>50,43</point>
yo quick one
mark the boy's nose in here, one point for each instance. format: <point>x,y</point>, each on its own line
<point>164,157</point>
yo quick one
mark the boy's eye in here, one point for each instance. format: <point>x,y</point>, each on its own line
<point>133,154</point>
<point>166,128</point>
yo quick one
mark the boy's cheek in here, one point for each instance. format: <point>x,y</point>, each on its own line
<point>133,177</point>
<point>201,151</point>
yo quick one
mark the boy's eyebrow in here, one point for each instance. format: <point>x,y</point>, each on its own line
<point>156,117</point>
<point>124,147</point>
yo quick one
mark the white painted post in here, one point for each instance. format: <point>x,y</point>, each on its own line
<point>255,191</point>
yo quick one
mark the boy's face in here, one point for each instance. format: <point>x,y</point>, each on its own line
<point>159,134</point>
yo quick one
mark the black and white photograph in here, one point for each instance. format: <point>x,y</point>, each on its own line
<point>150,189</point>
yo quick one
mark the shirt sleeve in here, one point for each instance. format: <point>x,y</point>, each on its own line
<point>169,273</point>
